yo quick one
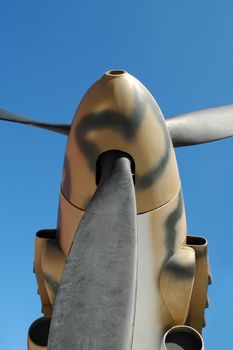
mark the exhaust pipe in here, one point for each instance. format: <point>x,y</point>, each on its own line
<point>53,263</point>
<point>38,334</point>
<point>199,298</point>
<point>42,237</point>
<point>182,338</point>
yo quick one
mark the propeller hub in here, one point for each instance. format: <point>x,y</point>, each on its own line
<point>119,113</point>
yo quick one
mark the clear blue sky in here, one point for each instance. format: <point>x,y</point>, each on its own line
<point>51,52</point>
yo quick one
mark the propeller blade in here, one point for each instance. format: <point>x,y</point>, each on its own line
<point>17,118</point>
<point>95,303</point>
<point>201,126</point>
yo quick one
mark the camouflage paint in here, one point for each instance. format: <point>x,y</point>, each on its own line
<point>118,113</point>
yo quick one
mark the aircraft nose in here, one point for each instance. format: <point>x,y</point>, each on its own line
<point>119,113</point>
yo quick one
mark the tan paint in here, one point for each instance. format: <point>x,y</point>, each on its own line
<point>125,96</point>
<point>69,218</point>
<point>53,262</point>
<point>177,291</point>
<point>198,304</point>
<point>41,238</point>
<point>153,312</point>
<point>108,120</point>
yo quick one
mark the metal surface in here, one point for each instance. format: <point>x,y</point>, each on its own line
<point>17,118</point>
<point>69,218</point>
<point>42,238</point>
<point>182,338</point>
<point>201,126</point>
<point>95,303</point>
<point>199,301</point>
<point>38,334</point>
<point>119,113</point>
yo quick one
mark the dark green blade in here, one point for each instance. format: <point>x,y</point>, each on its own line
<point>17,118</point>
<point>201,126</point>
<point>95,304</point>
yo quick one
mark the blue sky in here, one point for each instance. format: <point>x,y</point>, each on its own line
<point>51,52</point>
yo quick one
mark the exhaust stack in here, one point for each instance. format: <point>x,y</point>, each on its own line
<point>38,334</point>
<point>182,338</point>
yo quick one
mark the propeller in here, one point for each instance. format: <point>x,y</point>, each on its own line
<point>95,303</point>
<point>201,126</point>
<point>187,129</point>
<point>17,118</point>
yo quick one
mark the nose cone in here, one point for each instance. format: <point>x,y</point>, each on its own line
<point>115,72</point>
<point>118,113</point>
